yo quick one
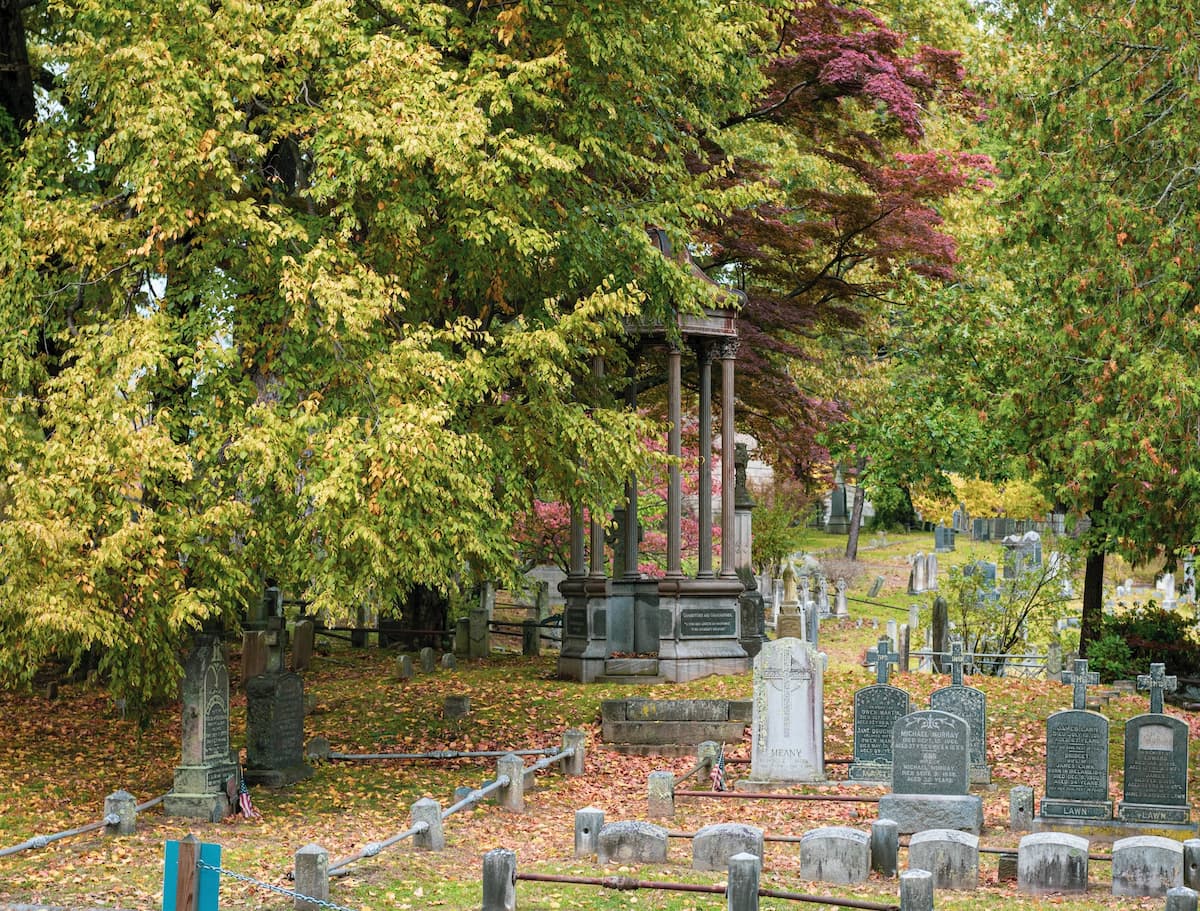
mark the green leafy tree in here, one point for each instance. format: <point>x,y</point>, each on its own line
<point>1101,333</point>
<point>311,289</point>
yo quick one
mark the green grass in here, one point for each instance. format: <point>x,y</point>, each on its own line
<point>58,760</point>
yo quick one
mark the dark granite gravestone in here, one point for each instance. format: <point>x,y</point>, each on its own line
<point>1156,760</point>
<point>1077,756</point>
<point>931,754</point>
<point>275,730</point>
<point>931,760</point>
<point>303,640</point>
<point>876,709</point>
<point>201,788</point>
<point>970,705</point>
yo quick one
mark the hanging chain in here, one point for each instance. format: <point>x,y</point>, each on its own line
<point>279,890</point>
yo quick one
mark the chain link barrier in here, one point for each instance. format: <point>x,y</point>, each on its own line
<point>270,887</point>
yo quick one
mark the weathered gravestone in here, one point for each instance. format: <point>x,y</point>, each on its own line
<point>970,705</point>
<point>940,632</point>
<point>931,760</point>
<point>201,789</point>
<point>275,723</point>
<point>931,572</point>
<point>876,709</point>
<point>1077,756</point>
<point>1146,865</point>
<point>1156,760</point>
<point>943,539</point>
<point>275,730</point>
<point>304,635</point>
<point>788,732</point>
<point>835,854</point>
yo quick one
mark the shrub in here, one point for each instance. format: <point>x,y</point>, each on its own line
<point>1153,635</point>
<point>1111,658</point>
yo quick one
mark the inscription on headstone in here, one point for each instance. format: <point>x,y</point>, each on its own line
<point>788,722</point>
<point>1156,760</point>
<point>876,710</point>
<point>930,754</point>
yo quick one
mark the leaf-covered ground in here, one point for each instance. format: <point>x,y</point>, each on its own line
<point>59,758</point>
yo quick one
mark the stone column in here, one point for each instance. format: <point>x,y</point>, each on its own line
<point>660,792</point>
<point>122,805</point>
<point>675,450</point>
<point>577,555</point>
<point>429,811</point>
<point>916,890</point>
<point>741,893</point>
<point>727,353</point>
<point>630,542</point>
<point>704,364</point>
<point>885,847</point>
<point>311,872</point>
<point>500,880</point>
<point>512,796</point>
<point>574,739</point>
<point>588,823</point>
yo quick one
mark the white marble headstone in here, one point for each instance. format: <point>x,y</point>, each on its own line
<point>788,727</point>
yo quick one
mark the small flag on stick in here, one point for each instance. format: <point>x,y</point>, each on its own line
<point>718,770</point>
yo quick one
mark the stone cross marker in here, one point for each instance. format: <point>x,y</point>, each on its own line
<point>1077,756</point>
<point>1157,682</point>
<point>884,659</point>
<point>788,721</point>
<point>1081,678</point>
<point>956,663</point>
<point>1156,760</point>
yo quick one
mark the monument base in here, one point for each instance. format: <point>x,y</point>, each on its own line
<point>210,807</point>
<point>1153,814</point>
<point>1110,830</point>
<point>1062,808</point>
<point>918,812</point>
<point>756,785</point>
<point>278,778</point>
<point>869,773</point>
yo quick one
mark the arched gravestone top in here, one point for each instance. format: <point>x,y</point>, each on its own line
<point>632,841</point>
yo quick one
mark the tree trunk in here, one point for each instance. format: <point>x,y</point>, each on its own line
<point>1093,588</point>
<point>856,512</point>
<point>16,77</point>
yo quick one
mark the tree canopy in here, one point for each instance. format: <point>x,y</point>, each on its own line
<point>310,290</point>
<point>1100,337</point>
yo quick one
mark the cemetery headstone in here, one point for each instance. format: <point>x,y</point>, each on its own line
<point>823,597</point>
<point>1146,865</point>
<point>304,635</point>
<point>835,854</point>
<point>840,606</point>
<point>428,660</point>
<point>931,572</point>
<point>1156,759</point>
<point>931,761</point>
<point>788,733</point>
<point>876,709</point>
<point>1077,755</point>
<point>943,539</point>
<point>940,624</point>
<point>208,764</point>
<point>876,587</point>
<point>713,845</point>
<point>1052,862</point>
<point>950,855</point>
<point>920,578</point>
<point>254,653</point>
<point>275,730</point>
<point>404,667</point>
<point>969,704</point>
